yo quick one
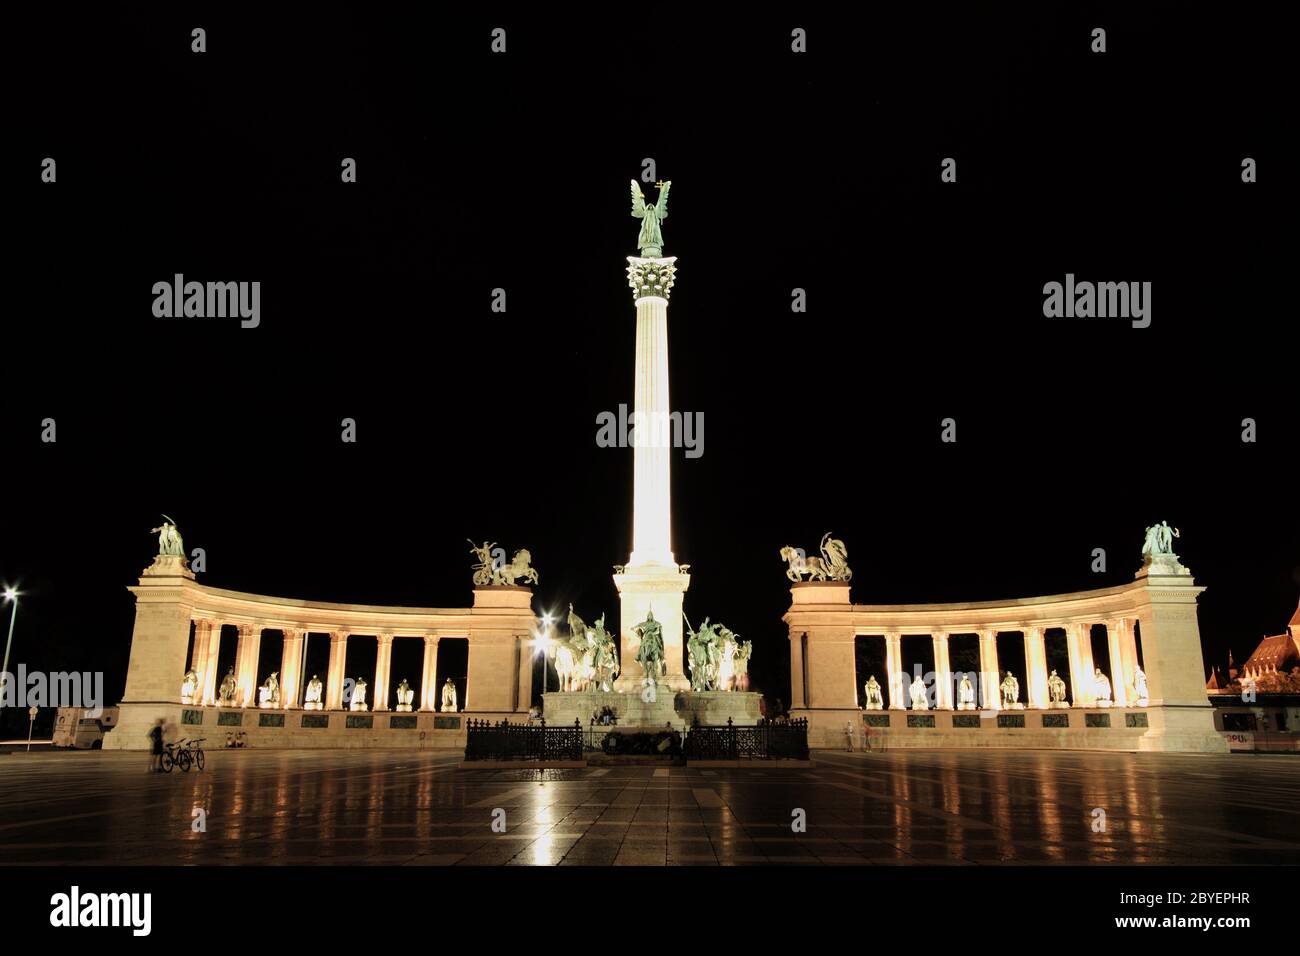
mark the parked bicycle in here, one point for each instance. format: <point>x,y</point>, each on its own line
<point>184,754</point>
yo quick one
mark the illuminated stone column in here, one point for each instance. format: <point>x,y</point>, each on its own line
<point>210,676</point>
<point>942,671</point>
<point>651,280</point>
<point>894,670</point>
<point>796,671</point>
<point>247,652</point>
<point>1126,641</point>
<point>1036,667</point>
<point>651,580</point>
<point>383,664</point>
<point>291,668</point>
<point>334,676</point>
<point>990,673</point>
<point>1078,640</point>
<point>429,675</point>
<point>199,653</point>
<point>524,698</point>
<point>1119,684</point>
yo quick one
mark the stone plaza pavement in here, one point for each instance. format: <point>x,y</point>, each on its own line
<point>387,807</point>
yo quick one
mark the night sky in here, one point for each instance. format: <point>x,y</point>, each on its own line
<point>477,171</point>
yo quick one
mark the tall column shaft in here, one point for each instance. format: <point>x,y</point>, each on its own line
<point>651,580</point>
<point>291,668</point>
<point>429,691</point>
<point>210,674</point>
<point>652,438</point>
<point>990,674</point>
<point>942,672</point>
<point>199,653</point>
<point>1078,639</point>
<point>1128,656</point>
<point>334,676</point>
<point>796,671</point>
<point>249,649</point>
<point>1036,666</point>
<point>383,664</point>
<point>894,670</point>
<point>1118,689</point>
<point>524,698</point>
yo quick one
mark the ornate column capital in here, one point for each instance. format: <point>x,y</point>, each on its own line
<point>651,277</point>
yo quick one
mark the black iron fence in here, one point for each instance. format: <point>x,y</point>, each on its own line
<point>763,741</point>
<point>485,740</point>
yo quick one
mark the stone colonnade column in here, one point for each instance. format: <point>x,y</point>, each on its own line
<point>334,676</point>
<point>942,671</point>
<point>1119,684</point>
<point>1123,656</point>
<point>990,675</point>
<point>796,671</point>
<point>1078,639</point>
<point>383,665</point>
<point>894,670</point>
<point>1036,667</point>
<point>246,654</point>
<point>291,668</point>
<point>210,677</point>
<point>429,675</point>
<point>525,693</point>
<point>199,655</point>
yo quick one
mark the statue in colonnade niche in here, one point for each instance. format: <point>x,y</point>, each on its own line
<point>405,695</point>
<point>832,565</point>
<point>315,694</point>
<point>1011,693</point>
<point>1101,685</point>
<point>229,686</point>
<point>920,699</point>
<point>358,695</point>
<point>965,693</point>
<point>650,653</point>
<point>1056,690</point>
<point>189,687</point>
<point>449,704</point>
<point>1141,695</point>
<point>871,694</point>
<point>268,695</point>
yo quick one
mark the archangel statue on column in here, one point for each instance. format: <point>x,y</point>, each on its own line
<point>651,240</point>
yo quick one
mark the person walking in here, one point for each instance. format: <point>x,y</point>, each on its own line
<point>156,747</point>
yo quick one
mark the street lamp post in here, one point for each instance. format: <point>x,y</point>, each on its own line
<point>11,596</point>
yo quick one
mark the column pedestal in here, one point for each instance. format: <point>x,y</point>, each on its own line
<point>641,589</point>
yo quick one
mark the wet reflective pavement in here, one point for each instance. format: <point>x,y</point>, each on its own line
<point>368,807</point>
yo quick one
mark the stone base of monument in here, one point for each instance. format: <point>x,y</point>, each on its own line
<point>652,712</point>
<point>1172,729</point>
<point>295,728</point>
